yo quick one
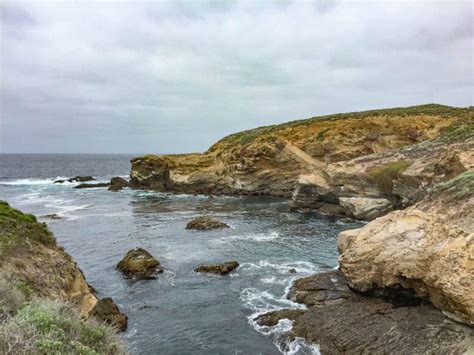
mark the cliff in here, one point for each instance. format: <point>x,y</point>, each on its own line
<point>38,282</point>
<point>269,160</point>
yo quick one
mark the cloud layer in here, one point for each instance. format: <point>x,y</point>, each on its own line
<point>175,76</point>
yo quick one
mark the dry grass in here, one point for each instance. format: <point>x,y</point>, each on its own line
<point>385,174</point>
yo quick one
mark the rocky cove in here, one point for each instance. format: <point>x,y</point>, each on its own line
<point>404,281</point>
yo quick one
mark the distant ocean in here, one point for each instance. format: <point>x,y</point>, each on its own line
<point>181,312</point>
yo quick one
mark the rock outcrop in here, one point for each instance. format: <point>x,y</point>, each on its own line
<point>220,269</point>
<point>86,186</point>
<point>108,311</point>
<point>75,179</point>
<point>206,223</point>
<point>269,160</point>
<point>117,183</point>
<point>426,248</point>
<point>30,255</point>
<point>341,321</point>
<point>365,208</point>
<point>139,264</point>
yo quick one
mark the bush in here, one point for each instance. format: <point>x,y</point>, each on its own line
<point>385,174</point>
<point>48,327</point>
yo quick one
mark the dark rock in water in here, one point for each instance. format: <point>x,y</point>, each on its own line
<point>75,179</point>
<point>292,271</point>
<point>271,319</point>
<point>52,216</point>
<point>220,269</point>
<point>107,311</point>
<point>343,321</point>
<point>139,263</point>
<point>85,186</point>
<point>205,223</point>
<point>117,183</point>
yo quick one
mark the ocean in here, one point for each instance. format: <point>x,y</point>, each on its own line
<point>180,312</point>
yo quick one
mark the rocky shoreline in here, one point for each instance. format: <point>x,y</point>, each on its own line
<point>409,171</point>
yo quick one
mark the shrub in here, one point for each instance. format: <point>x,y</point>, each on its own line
<point>321,135</point>
<point>48,327</point>
<point>385,174</point>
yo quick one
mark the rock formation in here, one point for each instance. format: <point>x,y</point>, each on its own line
<point>426,248</point>
<point>344,322</point>
<point>75,179</point>
<point>30,255</point>
<point>117,183</point>
<point>221,269</point>
<point>205,223</point>
<point>270,160</point>
<point>140,264</point>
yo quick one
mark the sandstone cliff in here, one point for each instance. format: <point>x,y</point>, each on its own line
<point>269,160</point>
<point>426,250</point>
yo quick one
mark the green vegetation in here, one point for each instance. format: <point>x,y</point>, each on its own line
<point>458,132</point>
<point>38,326</point>
<point>17,227</point>
<point>249,136</point>
<point>320,137</point>
<point>385,174</point>
<point>460,186</point>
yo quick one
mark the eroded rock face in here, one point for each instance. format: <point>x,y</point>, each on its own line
<point>221,269</point>
<point>341,321</point>
<point>140,264</point>
<point>269,160</point>
<point>365,208</point>
<point>108,311</point>
<point>426,248</point>
<point>205,223</point>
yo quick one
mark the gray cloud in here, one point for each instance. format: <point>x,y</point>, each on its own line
<point>175,76</point>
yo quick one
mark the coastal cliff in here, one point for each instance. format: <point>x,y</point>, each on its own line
<point>44,297</point>
<point>270,160</point>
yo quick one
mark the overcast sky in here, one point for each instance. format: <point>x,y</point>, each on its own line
<point>175,76</point>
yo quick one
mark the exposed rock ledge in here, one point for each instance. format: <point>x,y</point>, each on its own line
<point>344,322</point>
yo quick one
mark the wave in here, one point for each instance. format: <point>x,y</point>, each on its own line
<point>301,267</point>
<point>256,237</point>
<point>22,182</point>
<point>298,345</point>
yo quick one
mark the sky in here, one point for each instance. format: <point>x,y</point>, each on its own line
<point>176,76</point>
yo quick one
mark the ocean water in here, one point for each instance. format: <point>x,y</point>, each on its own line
<point>180,312</point>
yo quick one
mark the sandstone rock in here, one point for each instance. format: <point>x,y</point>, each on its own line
<point>365,208</point>
<point>139,263</point>
<point>221,269</point>
<point>107,311</point>
<point>341,321</point>
<point>117,183</point>
<point>426,248</point>
<point>85,186</point>
<point>205,223</point>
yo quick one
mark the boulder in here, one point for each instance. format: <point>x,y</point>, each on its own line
<point>52,216</point>
<point>117,183</point>
<point>365,208</point>
<point>139,263</point>
<point>205,223</point>
<point>341,321</point>
<point>107,311</point>
<point>220,269</point>
<point>426,248</point>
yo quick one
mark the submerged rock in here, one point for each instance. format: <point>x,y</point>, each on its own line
<point>75,179</point>
<point>205,223</point>
<point>365,208</point>
<point>117,183</point>
<point>139,263</point>
<point>342,321</point>
<point>107,311</point>
<point>52,216</point>
<point>220,269</point>
<point>85,186</point>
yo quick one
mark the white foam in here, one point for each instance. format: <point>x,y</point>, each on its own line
<point>22,182</point>
<point>257,237</point>
<point>302,267</point>
<point>298,345</point>
<point>273,280</point>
